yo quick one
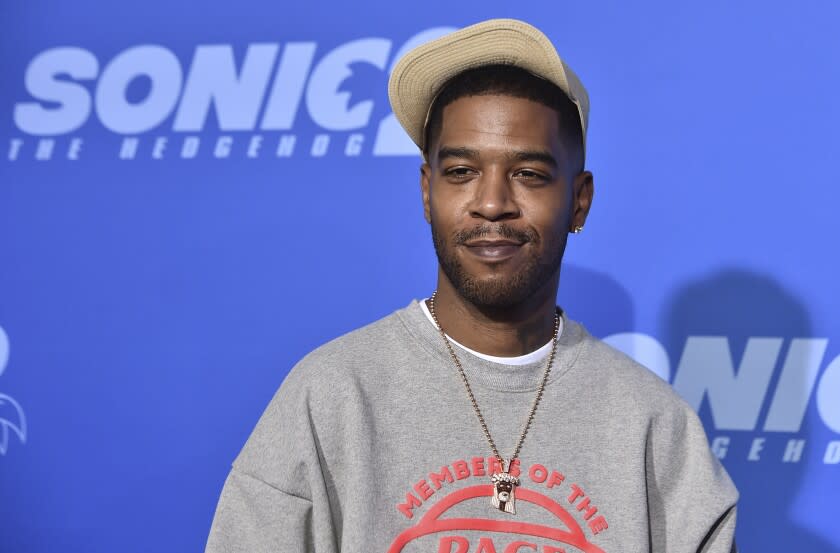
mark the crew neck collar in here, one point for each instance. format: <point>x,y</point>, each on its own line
<point>489,374</point>
<point>537,355</point>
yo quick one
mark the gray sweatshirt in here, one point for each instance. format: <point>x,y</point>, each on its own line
<point>371,444</point>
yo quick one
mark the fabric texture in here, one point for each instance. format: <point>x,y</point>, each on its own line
<point>371,444</point>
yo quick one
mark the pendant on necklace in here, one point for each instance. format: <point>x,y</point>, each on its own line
<point>504,495</point>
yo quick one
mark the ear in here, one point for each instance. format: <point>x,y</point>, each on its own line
<point>425,183</point>
<point>583,190</point>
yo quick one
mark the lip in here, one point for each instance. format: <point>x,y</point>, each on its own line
<point>491,243</point>
<point>493,250</point>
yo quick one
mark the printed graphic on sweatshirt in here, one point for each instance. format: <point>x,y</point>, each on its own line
<point>553,514</point>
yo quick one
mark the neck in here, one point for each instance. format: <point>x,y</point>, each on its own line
<point>502,332</point>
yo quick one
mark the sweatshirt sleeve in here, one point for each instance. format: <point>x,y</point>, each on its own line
<point>691,498</point>
<point>275,498</point>
<point>255,517</point>
<point>721,538</point>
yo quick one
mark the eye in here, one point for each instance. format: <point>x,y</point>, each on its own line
<point>459,173</point>
<point>531,176</point>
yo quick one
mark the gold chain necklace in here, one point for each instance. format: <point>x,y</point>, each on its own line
<point>504,485</point>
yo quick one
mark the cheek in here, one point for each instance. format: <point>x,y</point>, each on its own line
<point>550,218</point>
<point>446,213</point>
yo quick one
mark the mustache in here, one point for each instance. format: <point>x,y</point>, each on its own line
<point>499,229</point>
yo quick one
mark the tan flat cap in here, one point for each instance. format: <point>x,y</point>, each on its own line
<point>419,75</point>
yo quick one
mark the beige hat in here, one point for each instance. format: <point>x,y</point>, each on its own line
<point>419,75</point>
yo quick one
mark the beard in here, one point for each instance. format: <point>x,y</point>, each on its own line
<point>498,291</point>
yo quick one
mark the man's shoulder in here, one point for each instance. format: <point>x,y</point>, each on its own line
<point>375,344</point>
<point>618,374</point>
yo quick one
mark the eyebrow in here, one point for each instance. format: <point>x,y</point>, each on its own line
<point>463,152</point>
<point>457,151</point>
<point>529,155</point>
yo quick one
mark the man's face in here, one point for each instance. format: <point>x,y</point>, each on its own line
<point>500,194</point>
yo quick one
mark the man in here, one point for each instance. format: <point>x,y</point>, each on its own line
<point>482,418</point>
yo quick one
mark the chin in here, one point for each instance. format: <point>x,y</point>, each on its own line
<point>503,286</point>
<point>495,293</point>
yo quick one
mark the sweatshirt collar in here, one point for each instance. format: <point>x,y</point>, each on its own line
<point>489,374</point>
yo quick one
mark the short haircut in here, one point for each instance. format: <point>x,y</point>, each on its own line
<point>509,80</point>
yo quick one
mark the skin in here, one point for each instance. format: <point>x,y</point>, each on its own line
<point>501,194</point>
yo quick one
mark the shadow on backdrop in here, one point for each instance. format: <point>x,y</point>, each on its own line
<point>739,304</point>
<point>596,300</point>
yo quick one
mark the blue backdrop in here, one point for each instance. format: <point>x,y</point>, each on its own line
<point>195,194</point>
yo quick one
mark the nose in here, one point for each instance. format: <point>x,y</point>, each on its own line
<point>493,198</point>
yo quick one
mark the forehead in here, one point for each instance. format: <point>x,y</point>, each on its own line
<point>499,122</point>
